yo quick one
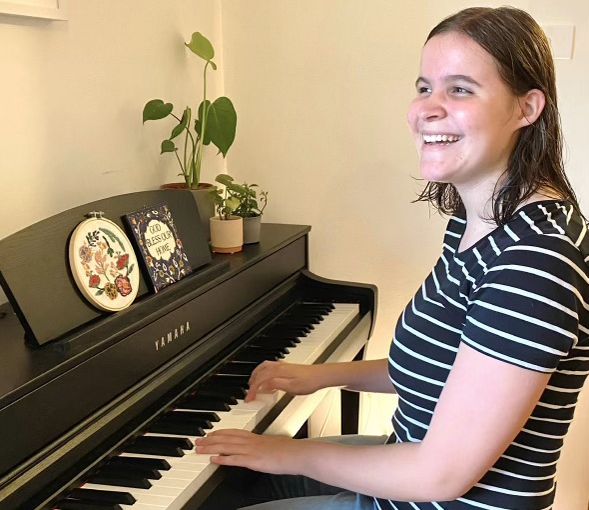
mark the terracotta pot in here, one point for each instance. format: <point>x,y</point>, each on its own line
<point>251,229</point>
<point>203,199</point>
<point>226,235</point>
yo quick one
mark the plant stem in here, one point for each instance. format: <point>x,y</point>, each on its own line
<point>200,141</point>
<point>182,168</point>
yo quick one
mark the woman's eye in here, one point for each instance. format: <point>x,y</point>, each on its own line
<point>460,90</point>
<point>423,90</point>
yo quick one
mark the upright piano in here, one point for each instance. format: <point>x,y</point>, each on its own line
<point>99,410</point>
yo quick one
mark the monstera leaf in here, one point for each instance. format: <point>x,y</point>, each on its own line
<point>156,109</point>
<point>181,126</point>
<point>167,146</point>
<point>201,46</point>
<point>220,125</point>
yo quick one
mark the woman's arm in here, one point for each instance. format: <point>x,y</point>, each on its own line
<point>296,379</point>
<point>482,408</point>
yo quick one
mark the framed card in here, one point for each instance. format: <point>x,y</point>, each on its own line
<point>159,245</point>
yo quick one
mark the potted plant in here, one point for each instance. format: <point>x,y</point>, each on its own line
<point>226,227</point>
<point>247,207</point>
<point>251,206</point>
<point>215,123</point>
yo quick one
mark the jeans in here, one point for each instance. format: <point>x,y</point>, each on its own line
<point>287,492</point>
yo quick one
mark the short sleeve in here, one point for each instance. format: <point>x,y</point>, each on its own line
<point>524,310</point>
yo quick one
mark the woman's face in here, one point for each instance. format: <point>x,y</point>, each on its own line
<point>464,119</point>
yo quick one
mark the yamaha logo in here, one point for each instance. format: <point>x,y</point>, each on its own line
<point>172,335</point>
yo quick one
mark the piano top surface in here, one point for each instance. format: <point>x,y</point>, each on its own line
<point>24,368</point>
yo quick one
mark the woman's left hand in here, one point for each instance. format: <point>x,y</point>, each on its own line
<point>268,454</point>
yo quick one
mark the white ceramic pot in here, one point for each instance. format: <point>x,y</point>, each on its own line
<point>226,235</point>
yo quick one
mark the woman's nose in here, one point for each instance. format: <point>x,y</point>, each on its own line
<point>432,108</point>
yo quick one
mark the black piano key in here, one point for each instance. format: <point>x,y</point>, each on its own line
<point>322,308</point>
<point>241,380</point>
<point>176,442</point>
<point>98,496</point>
<point>203,403</point>
<point>221,393</point>
<point>153,445</point>
<point>249,356</point>
<point>278,330</point>
<point>73,504</point>
<point>233,388</point>
<point>159,464</point>
<point>119,481</point>
<point>308,305</point>
<point>295,326</point>
<point>177,428</point>
<point>272,341</point>
<point>302,318</point>
<point>130,471</point>
<point>199,419</point>
<point>238,368</point>
<point>272,352</point>
<point>204,417</point>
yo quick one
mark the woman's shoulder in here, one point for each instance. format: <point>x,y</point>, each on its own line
<point>552,228</point>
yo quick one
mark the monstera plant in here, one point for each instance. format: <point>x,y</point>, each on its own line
<point>215,121</point>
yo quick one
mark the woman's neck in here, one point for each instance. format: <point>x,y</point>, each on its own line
<point>479,214</point>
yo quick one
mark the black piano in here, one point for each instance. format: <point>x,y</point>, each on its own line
<point>98,410</point>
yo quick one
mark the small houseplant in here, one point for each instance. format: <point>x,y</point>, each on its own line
<point>215,123</point>
<point>252,202</point>
<point>226,227</point>
<point>249,205</point>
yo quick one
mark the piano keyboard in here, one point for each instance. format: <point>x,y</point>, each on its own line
<point>160,469</point>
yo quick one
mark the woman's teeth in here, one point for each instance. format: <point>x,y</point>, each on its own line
<point>440,138</point>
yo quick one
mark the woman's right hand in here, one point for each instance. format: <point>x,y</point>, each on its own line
<point>295,379</point>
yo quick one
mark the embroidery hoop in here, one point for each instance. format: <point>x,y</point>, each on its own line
<point>103,263</point>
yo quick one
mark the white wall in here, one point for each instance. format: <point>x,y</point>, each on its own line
<point>321,89</point>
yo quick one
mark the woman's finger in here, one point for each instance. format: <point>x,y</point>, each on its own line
<point>232,460</point>
<point>261,371</point>
<point>229,432</point>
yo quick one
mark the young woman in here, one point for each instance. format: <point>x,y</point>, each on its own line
<point>489,356</point>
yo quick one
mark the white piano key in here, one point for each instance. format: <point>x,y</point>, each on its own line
<point>142,506</point>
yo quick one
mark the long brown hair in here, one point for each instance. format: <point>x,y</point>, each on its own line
<point>522,53</point>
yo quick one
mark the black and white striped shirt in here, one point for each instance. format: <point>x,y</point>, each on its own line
<point>520,295</point>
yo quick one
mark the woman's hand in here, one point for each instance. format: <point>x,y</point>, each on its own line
<point>268,454</point>
<point>295,379</point>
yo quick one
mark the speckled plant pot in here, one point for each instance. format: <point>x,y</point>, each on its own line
<point>251,229</point>
<point>226,235</point>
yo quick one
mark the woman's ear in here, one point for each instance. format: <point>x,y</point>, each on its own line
<point>531,105</point>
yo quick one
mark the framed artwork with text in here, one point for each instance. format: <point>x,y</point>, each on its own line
<point>158,245</point>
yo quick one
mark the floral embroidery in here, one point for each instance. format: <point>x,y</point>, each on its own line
<point>107,268</point>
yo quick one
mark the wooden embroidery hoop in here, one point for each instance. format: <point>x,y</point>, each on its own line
<point>98,287</point>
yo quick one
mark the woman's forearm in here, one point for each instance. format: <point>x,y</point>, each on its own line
<point>401,472</point>
<point>368,375</point>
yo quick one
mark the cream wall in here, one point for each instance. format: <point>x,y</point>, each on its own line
<point>321,89</point>
<point>73,93</point>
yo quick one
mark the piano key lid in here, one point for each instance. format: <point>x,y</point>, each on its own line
<point>103,263</point>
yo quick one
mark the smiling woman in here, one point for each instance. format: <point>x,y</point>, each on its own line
<point>490,355</point>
